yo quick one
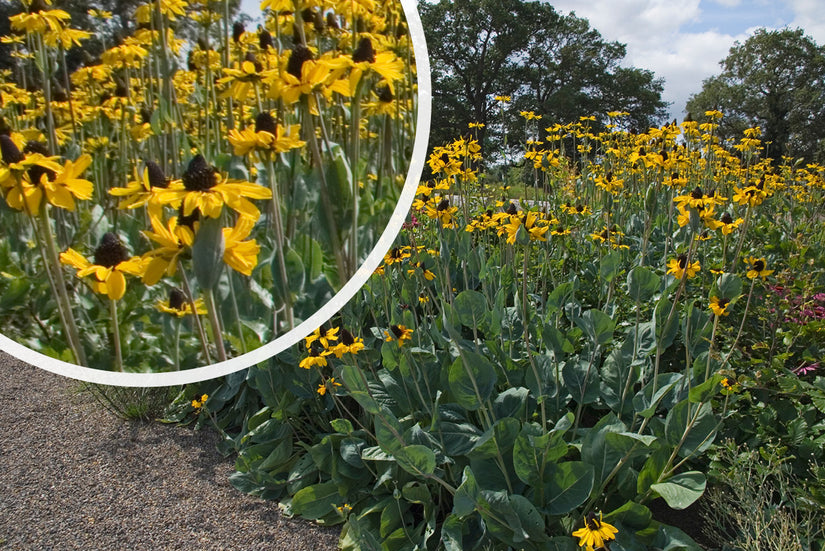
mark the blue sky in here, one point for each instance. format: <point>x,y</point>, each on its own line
<point>683,41</point>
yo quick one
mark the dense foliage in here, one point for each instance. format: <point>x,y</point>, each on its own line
<point>523,371</point>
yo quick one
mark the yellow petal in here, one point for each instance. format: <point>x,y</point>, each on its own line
<point>116,285</point>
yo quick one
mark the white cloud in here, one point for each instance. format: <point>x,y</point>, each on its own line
<point>653,32</point>
<point>809,15</point>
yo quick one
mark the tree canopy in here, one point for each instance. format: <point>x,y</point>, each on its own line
<point>774,80</point>
<point>553,64</point>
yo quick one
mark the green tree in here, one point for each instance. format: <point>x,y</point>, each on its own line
<point>774,80</point>
<point>547,62</point>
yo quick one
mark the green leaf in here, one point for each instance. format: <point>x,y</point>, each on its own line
<point>207,253</point>
<point>642,283</point>
<point>701,433</point>
<point>534,450</point>
<point>388,430</point>
<point>497,440</point>
<point>316,501</point>
<point>631,514</point>
<point>237,169</point>
<point>471,378</point>
<point>597,325</point>
<point>581,379</point>
<point>652,469</point>
<point>416,459</point>
<point>358,388</point>
<point>729,286</point>
<point>706,390</point>
<point>343,426</point>
<point>645,404</point>
<point>610,266</point>
<point>597,452</point>
<point>466,495</point>
<point>295,275</point>
<point>470,307</point>
<point>568,486</point>
<point>681,490</point>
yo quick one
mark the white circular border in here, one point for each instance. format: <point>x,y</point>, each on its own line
<point>399,215</point>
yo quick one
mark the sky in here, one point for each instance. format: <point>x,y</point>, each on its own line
<point>683,41</point>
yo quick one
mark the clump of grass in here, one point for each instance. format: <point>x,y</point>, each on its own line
<point>757,504</point>
<point>132,403</point>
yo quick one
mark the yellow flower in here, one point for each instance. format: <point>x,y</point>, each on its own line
<point>728,224</point>
<point>265,137</point>
<point>719,306</point>
<point>204,190</point>
<point>173,241</point>
<point>242,81</point>
<point>144,190</point>
<point>364,58</point>
<point>349,344</point>
<point>750,195</point>
<point>680,268</point>
<point>198,403</point>
<point>322,338</point>
<point>240,255</point>
<point>399,333</point>
<point>39,21</point>
<point>301,75</point>
<point>595,533</point>
<point>441,211</point>
<point>111,263</point>
<point>329,384</point>
<point>529,222</point>
<point>315,358</point>
<point>757,267</point>
<point>396,255</point>
<point>67,184</point>
<point>177,305</point>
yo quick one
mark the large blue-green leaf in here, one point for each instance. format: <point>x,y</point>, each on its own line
<point>568,485</point>
<point>316,501</point>
<point>681,490</point>
<point>472,378</point>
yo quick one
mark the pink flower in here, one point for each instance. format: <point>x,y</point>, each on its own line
<point>804,370</point>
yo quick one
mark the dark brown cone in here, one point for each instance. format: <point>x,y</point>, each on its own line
<point>265,40</point>
<point>332,21</point>
<point>364,52</point>
<point>199,176</point>
<point>176,298</point>
<point>156,176</point>
<point>237,31</point>
<point>145,115</point>
<point>347,338</point>
<point>264,122</point>
<point>11,153</point>
<point>110,252</point>
<point>384,95</point>
<point>296,60</point>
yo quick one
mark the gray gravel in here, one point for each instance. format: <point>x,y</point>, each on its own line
<point>74,476</point>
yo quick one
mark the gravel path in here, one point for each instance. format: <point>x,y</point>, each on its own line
<point>74,476</point>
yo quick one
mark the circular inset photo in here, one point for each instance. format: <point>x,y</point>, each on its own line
<point>189,188</point>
